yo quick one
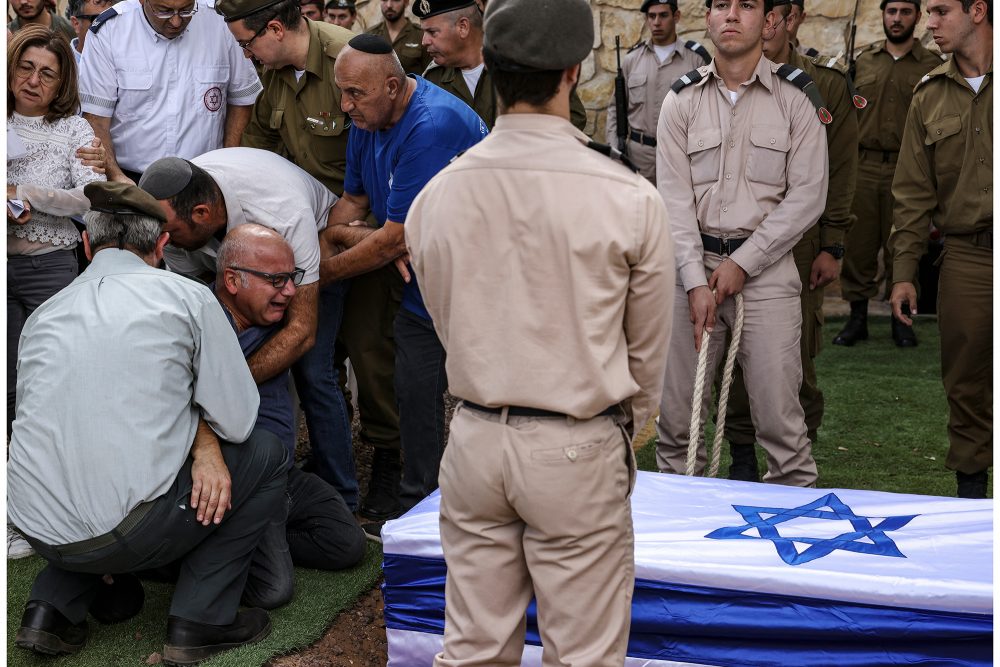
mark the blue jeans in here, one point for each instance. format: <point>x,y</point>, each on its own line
<point>322,401</point>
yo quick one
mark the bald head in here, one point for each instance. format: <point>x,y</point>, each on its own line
<point>374,87</point>
<point>242,244</point>
<point>252,261</point>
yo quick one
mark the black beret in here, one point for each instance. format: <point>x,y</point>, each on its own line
<point>913,2</point>
<point>166,177</point>
<point>368,43</point>
<point>234,10</point>
<point>122,199</point>
<point>423,9</point>
<point>649,3</point>
<point>340,4</point>
<point>518,34</point>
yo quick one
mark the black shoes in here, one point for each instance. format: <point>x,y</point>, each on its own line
<point>382,501</point>
<point>190,642</point>
<point>857,326</point>
<point>902,333</point>
<point>45,630</point>
<point>972,486</point>
<point>744,465</point>
<point>118,601</point>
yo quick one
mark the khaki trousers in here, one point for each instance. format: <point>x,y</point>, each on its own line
<point>771,360</point>
<point>870,232</point>
<point>536,505</point>
<point>644,159</point>
<point>965,319</point>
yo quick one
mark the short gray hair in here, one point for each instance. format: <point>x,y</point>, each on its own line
<point>137,232</point>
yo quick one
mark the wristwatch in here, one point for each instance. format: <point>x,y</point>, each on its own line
<point>837,250</point>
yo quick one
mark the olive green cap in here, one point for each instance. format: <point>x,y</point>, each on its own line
<point>518,34</point>
<point>122,199</point>
<point>234,10</point>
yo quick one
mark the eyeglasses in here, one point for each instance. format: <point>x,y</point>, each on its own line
<point>47,77</point>
<point>245,44</point>
<point>277,280</point>
<point>87,17</point>
<point>166,15</point>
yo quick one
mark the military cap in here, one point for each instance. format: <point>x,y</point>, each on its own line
<point>341,4</point>
<point>649,3</point>
<point>234,10</point>
<point>912,2</point>
<point>166,177</point>
<point>423,9</point>
<point>122,199</point>
<point>517,34</point>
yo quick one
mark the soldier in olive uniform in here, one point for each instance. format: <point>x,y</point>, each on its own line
<point>816,254</point>
<point>650,67</point>
<point>944,177</point>
<point>404,35</point>
<point>453,35</point>
<point>796,18</point>
<point>887,71</point>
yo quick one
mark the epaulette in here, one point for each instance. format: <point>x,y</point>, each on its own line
<point>104,17</point>
<point>804,82</point>
<point>810,52</point>
<point>694,76</point>
<point>692,45</point>
<point>431,65</point>
<point>940,70</point>
<point>613,153</point>
<point>830,62</point>
<point>333,41</point>
<point>636,46</point>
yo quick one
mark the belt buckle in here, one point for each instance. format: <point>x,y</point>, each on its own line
<point>724,249</point>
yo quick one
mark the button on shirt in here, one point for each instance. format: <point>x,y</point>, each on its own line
<point>114,371</point>
<point>262,187</point>
<point>165,97</point>
<point>757,169</point>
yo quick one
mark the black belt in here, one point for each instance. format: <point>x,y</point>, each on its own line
<point>518,411</point>
<point>720,246</point>
<point>126,526</point>
<point>641,138</point>
<point>983,239</point>
<point>882,156</point>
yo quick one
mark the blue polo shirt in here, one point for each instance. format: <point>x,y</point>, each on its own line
<point>392,166</point>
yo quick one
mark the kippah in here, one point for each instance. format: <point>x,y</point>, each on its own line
<point>367,43</point>
<point>166,177</point>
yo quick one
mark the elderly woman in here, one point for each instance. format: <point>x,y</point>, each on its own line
<point>45,177</point>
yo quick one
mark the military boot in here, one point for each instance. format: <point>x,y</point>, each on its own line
<point>902,333</point>
<point>382,501</point>
<point>972,486</point>
<point>744,466</point>
<point>857,326</point>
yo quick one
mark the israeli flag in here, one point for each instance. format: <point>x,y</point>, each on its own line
<point>734,573</point>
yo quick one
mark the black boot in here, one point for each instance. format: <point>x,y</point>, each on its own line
<point>382,501</point>
<point>190,642</point>
<point>857,326</point>
<point>744,465</point>
<point>903,333</point>
<point>45,630</point>
<point>972,486</point>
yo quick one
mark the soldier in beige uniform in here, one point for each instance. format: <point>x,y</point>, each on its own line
<point>742,166</point>
<point>816,254</point>
<point>945,177</point>
<point>887,71</point>
<point>650,67</point>
<point>547,269</point>
<point>404,35</point>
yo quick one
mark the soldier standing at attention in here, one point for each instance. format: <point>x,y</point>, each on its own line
<point>404,35</point>
<point>742,166</point>
<point>649,68</point>
<point>547,270</point>
<point>945,178</point>
<point>887,71</point>
<point>796,17</point>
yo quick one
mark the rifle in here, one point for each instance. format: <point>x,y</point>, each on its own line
<point>851,64</point>
<point>621,103</point>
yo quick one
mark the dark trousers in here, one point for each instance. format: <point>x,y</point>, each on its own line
<point>420,385</point>
<point>31,280</point>
<point>316,380</point>
<point>320,533</point>
<point>214,559</point>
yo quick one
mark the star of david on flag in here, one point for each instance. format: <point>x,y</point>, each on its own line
<point>865,538</point>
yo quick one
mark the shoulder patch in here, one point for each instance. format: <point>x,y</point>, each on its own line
<point>829,62</point>
<point>811,52</point>
<point>613,153</point>
<point>804,82</point>
<point>104,17</point>
<point>940,70</point>
<point>834,63</point>
<point>694,76</point>
<point>334,41</point>
<point>636,46</point>
<point>694,46</point>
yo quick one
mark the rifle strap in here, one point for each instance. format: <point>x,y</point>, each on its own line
<point>804,82</point>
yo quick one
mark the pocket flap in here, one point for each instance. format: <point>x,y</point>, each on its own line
<point>135,80</point>
<point>330,126</point>
<point>636,80</point>
<point>773,137</point>
<point>702,139</point>
<point>941,128</point>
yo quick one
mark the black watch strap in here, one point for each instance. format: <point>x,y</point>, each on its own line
<point>837,250</point>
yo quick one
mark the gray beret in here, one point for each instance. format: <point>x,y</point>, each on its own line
<point>122,199</point>
<point>519,34</point>
<point>166,177</point>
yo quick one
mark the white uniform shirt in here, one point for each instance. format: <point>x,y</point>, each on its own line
<point>262,187</point>
<point>165,97</point>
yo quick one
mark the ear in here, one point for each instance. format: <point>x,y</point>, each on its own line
<point>86,247</point>
<point>75,22</point>
<point>201,214</point>
<point>230,280</point>
<point>463,27</point>
<point>161,241</point>
<point>979,11</point>
<point>392,86</point>
<point>769,20</point>
<point>571,75</point>
<point>279,29</point>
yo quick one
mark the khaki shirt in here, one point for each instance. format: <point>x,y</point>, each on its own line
<point>301,119</point>
<point>755,170</point>
<point>888,84</point>
<point>407,45</point>
<point>483,102</point>
<point>548,271</point>
<point>842,141</point>
<point>945,171</point>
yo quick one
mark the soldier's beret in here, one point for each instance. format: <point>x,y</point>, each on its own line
<point>423,9</point>
<point>768,4</point>
<point>122,199</point>
<point>166,177</point>
<point>234,10</point>
<point>913,2</point>
<point>341,4</point>
<point>649,3</point>
<point>518,34</point>
<point>800,3</point>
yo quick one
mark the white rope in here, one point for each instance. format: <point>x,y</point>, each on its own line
<point>694,431</point>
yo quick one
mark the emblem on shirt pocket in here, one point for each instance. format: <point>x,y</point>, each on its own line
<point>213,98</point>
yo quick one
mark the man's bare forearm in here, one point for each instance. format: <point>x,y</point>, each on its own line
<point>102,130</point>
<point>295,338</point>
<point>372,252</point>
<point>237,119</point>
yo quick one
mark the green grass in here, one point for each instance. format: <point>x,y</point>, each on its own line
<point>885,420</point>
<point>319,597</point>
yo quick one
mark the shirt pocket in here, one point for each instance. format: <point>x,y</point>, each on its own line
<point>705,154</point>
<point>636,91</point>
<point>135,82</point>
<point>210,89</point>
<point>944,137</point>
<point>769,146</point>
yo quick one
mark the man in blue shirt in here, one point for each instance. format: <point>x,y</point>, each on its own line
<point>405,130</point>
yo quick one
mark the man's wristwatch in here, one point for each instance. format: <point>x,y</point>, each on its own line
<point>837,250</point>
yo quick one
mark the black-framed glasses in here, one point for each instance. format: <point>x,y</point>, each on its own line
<point>245,44</point>
<point>87,17</point>
<point>277,280</point>
<point>167,14</point>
